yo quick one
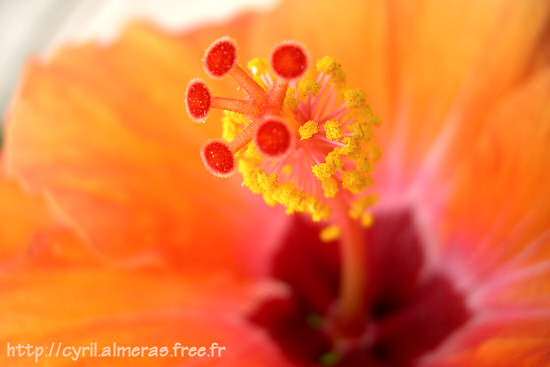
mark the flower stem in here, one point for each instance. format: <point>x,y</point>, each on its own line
<point>351,315</point>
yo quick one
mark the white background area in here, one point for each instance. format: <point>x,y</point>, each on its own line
<point>38,26</point>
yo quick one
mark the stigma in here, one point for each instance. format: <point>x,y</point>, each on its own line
<point>302,138</point>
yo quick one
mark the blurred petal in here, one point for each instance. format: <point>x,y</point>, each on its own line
<point>29,229</point>
<point>105,132</point>
<point>497,232</point>
<point>500,212</point>
<point>141,307</point>
<point>504,352</point>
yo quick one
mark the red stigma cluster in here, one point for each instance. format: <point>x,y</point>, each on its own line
<point>289,61</point>
<point>218,158</point>
<point>271,134</point>
<point>198,100</point>
<point>273,137</point>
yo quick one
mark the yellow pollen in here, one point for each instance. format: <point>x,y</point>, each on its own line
<point>363,165</point>
<point>259,66</point>
<point>359,206</point>
<point>307,87</point>
<point>351,148</point>
<point>290,102</point>
<point>374,152</point>
<point>361,114</point>
<point>334,160</point>
<point>330,66</point>
<point>267,183</point>
<point>367,220</point>
<point>330,233</point>
<point>355,97</point>
<point>330,187</point>
<point>332,130</point>
<point>322,171</point>
<point>354,181</point>
<point>232,123</point>
<point>308,129</point>
<point>376,120</point>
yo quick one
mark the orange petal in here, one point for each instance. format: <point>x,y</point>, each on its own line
<point>135,308</point>
<point>504,352</point>
<point>29,230</point>
<point>104,131</point>
<point>501,199</point>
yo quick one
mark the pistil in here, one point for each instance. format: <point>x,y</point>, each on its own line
<point>350,309</point>
<point>302,157</point>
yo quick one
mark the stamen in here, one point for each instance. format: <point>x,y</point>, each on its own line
<point>273,137</point>
<point>218,158</point>
<point>198,100</point>
<point>289,60</point>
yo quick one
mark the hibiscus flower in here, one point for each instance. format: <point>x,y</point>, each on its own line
<point>113,230</point>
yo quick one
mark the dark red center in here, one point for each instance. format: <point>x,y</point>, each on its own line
<point>273,138</point>
<point>289,61</point>
<point>409,315</point>
<point>220,58</point>
<point>198,100</point>
<point>218,158</point>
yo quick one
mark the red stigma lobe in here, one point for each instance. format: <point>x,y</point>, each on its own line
<point>289,61</point>
<point>273,137</point>
<point>218,158</point>
<point>220,57</point>
<point>198,100</point>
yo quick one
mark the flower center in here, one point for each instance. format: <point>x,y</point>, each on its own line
<point>402,304</point>
<point>300,139</point>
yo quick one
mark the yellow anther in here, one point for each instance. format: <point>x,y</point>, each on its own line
<point>360,205</point>
<point>367,132</point>
<point>357,130</point>
<point>352,148</point>
<point>259,66</point>
<point>290,102</point>
<point>267,183</point>
<point>330,66</point>
<point>322,171</point>
<point>322,212</point>
<point>363,165</point>
<point>355,97</point>
<point>330,187</point>
<point>367,220</point>
<point>354,181</point>
<point>308,129</point>
<point>250,176</point>
<point>250,153</point>
<point>268,198</point>
<point>229,131</point>
<point>232,124</point>
<point>362,114</point>
<point>307,87</point>
<point>330,233</point>
<point>332,130</point>
<point>334,160</point>
<point>374,152</point>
